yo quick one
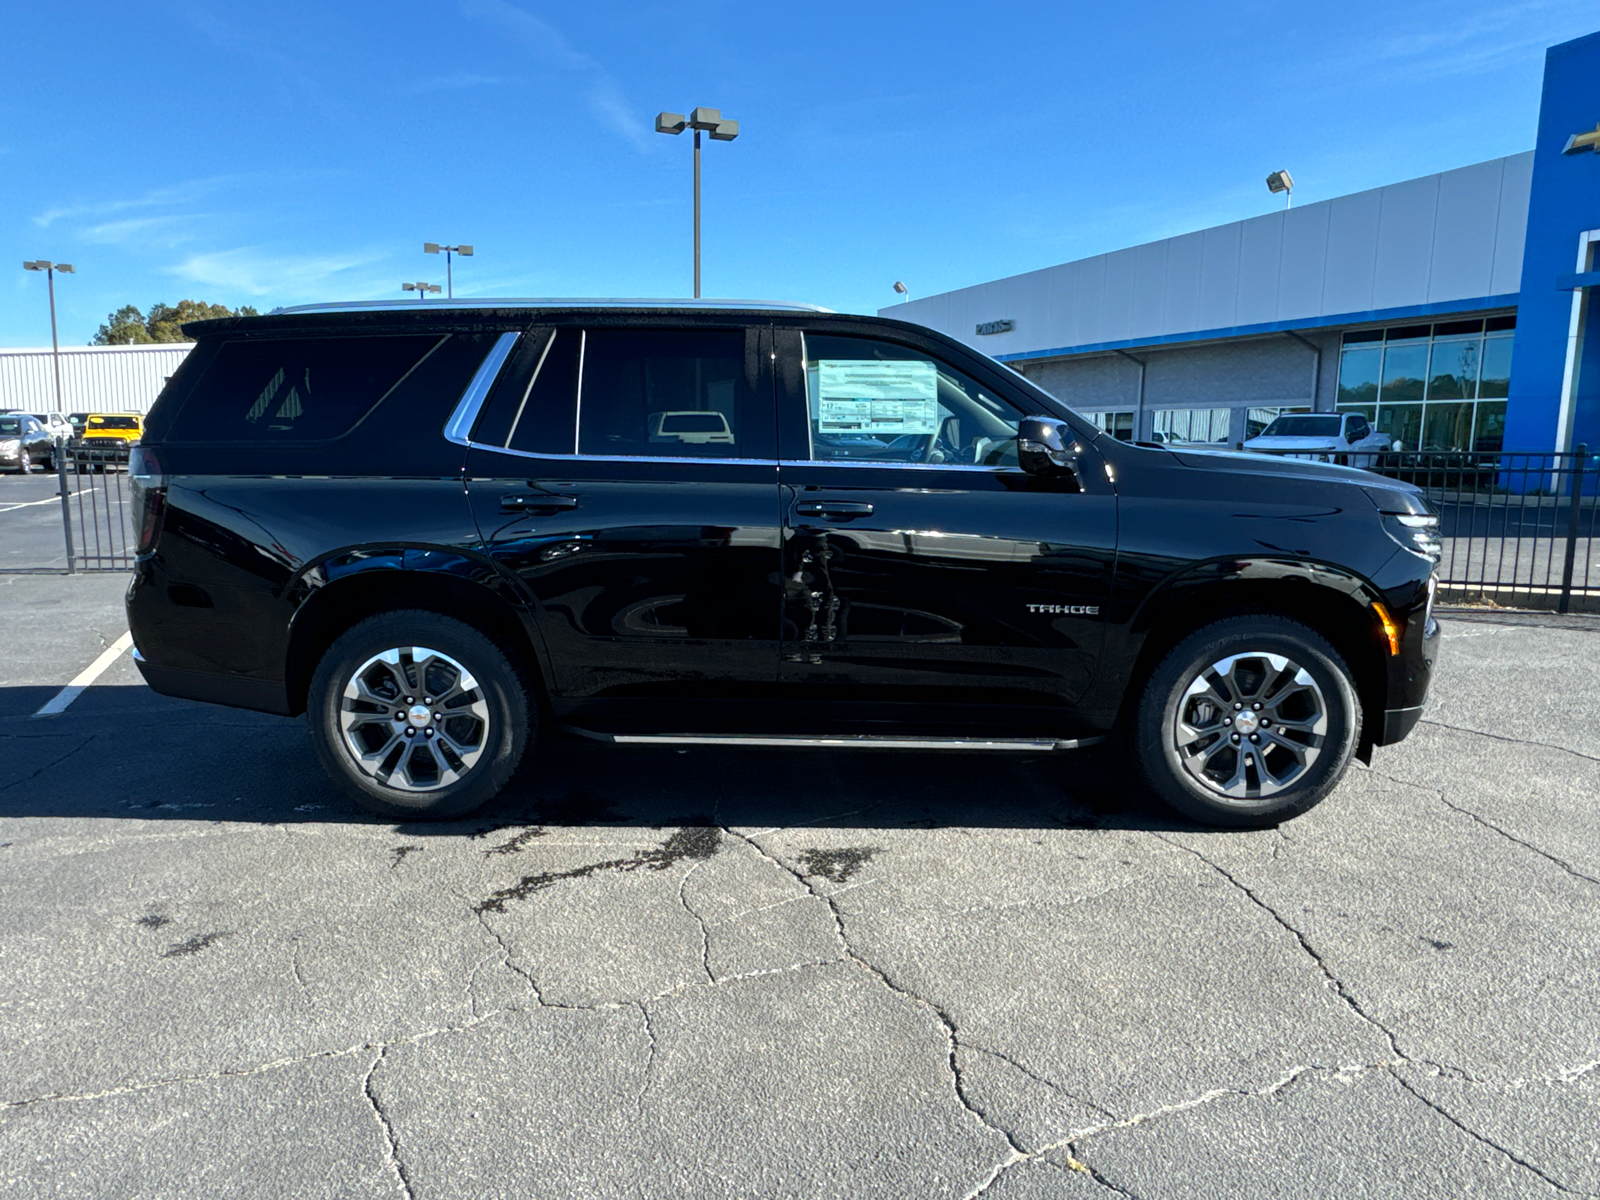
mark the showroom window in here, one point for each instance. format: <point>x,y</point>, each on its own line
<point>1191,424</point>
<point>1431,387</point>
<point>1118,424</point>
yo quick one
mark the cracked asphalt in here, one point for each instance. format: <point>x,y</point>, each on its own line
<point>646,972</point>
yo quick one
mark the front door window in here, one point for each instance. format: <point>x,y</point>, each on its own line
<point>875,401</point>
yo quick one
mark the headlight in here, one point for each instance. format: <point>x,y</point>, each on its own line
<point>10,445</point>
<point>1416,532</point>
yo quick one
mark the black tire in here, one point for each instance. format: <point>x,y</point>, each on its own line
<point>415,786</point>
<point>1283,782</point>
<point>27,464</point>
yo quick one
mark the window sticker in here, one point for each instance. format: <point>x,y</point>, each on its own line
<point>872,396</point>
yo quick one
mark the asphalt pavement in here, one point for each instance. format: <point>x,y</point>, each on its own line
<point>647,972</point>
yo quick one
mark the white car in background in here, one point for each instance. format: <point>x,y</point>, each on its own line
<point>1323,437</point>
<point>56,424</point>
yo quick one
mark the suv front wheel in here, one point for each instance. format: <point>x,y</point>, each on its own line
<point>1247,722</point>
<point>417,716</point>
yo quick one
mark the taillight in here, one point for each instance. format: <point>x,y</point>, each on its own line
<point>149,485</point>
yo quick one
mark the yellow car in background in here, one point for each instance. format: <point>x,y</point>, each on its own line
<point>107,438</point>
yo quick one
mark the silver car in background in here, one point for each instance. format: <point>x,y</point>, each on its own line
<point>1346,438</point>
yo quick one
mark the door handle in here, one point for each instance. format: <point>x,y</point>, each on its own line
<point>536,502</point>
<point>837,510</point>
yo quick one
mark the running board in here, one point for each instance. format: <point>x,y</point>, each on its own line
<point>840,741</point>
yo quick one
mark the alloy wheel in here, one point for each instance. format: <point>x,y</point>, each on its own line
<point>414,719</point>
<point>1250,725</point>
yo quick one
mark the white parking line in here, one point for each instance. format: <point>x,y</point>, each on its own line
<point>58,703</point>
<point>56,499</point>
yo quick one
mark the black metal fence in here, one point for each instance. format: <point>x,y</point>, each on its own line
<point>1517,530</point>
<point>97,516</point>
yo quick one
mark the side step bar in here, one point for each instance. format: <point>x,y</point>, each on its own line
<point>839,741</point>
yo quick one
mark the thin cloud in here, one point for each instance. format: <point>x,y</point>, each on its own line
<point>178,193</point>
<point>257,272</point>
<point>166,232</point>
<point>1459,44</point>
<point>457,83</point>
<point>604,95</point>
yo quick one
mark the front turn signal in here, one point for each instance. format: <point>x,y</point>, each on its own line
<point>1390,629</point>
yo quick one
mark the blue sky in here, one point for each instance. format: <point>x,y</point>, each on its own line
<point>288,152</point>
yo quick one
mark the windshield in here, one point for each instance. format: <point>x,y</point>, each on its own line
<point>1306,427</point>
<point>10,426</point>
<point>114,422</point>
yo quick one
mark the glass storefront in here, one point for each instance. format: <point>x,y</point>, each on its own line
<point>1118,424</point>
<point>1210,426</point>
<point>1431,387</point>
<point>1192,424</point>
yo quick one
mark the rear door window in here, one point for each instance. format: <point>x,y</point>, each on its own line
<point>672,393</point>
<point>298,389</point>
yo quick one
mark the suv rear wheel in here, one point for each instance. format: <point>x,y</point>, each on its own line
<point>1247,722</point>
<point>418,716</point>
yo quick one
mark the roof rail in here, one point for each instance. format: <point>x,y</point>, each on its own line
<point>447,305</point>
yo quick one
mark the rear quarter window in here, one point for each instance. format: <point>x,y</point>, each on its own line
<point>297,389</point>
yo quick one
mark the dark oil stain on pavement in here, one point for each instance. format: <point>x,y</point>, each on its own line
<point>1438,945</point>
<point>153,921</point>
<point>517,844</point>
<point>194,945</point>
<point>837,865</point>
<point>692,841</point>
<point>398,855</point>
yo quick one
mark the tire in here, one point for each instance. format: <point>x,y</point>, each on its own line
<point>1253,675</point>
<point>27,464</point>
<point>452,766</point>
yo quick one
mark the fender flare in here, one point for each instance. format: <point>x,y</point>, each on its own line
<point>317,582</point>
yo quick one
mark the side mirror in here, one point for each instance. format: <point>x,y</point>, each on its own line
<point>1047,447</point>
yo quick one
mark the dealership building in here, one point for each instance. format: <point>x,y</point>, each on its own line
<point>1453,311</point>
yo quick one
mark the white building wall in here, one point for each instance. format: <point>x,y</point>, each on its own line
<point>1453,236</point>
<point>93,378</point>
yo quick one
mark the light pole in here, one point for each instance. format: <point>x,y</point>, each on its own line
<point>49,268</point>
<point>1282,181</point>
<point>421,289</point>
<point>449,280</point>
<point>902,291</point>
<point>709,119</point>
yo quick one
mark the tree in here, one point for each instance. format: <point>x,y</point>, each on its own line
<point>122,327</point>
<point>163,323</point>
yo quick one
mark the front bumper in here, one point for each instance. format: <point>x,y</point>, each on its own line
<point>1397,722</point>
<point>103,449</point>
<point>1410,671</point>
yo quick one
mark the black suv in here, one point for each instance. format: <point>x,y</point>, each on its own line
<point>435,528</point>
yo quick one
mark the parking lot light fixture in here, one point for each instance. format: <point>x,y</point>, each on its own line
<point>421,289</point>
<point>709,120</point>
<point>449,279</point>
<point>49,268</point>
<point>902,291</point>
<point>1282,181</point>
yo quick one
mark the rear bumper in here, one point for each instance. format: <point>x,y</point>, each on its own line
<point>231,690</point>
